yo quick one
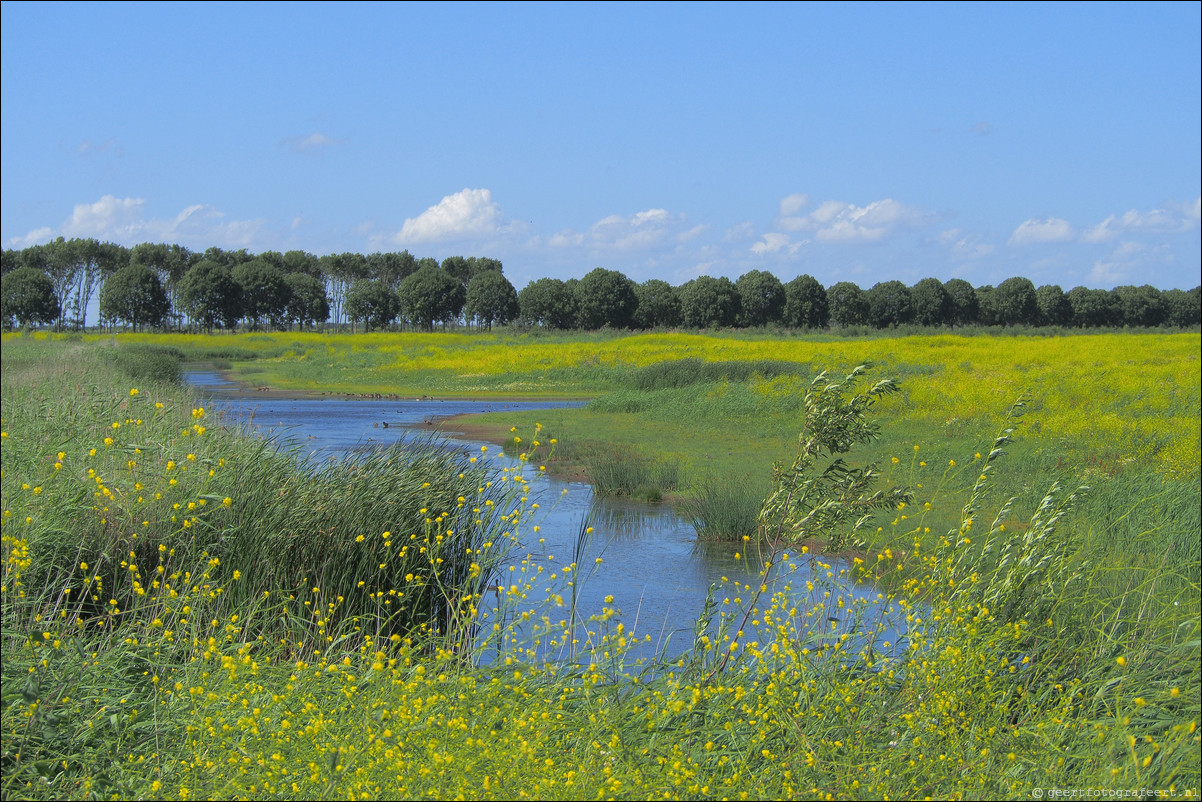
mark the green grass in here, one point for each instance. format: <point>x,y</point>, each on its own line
<point>1044,651</point>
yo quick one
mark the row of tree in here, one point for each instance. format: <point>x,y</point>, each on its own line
<point>159,285</point>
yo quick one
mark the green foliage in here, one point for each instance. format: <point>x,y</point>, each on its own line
<point>307,301</point>
<point>371,302</point>
<point>761,299</point>
<point>490,299</point>
<point>430,296</point>
<point>658,305</point>
<point>625,472</point>
<point>933,305</point>
<point>145,362</point>
<point>820,496</point>
<point>724,508</point>
<point>1013,302</point>
<point>1094,308</point>
<point>806,304</point>
<point>27,296</point>
<point>708,302</point>
<point>1142,306</point>
<point>209,295</point>
<point>889,304</point>
<point>691,371</point>
<point>265,292</point>
<point>1030,660</point>
<point>848,304</point>
<point>605,299</point>
<point>1054,308</point>
<point>135,295</point>
<point>965,308</point>
<point>1184,309</point>
<point>548,302</point>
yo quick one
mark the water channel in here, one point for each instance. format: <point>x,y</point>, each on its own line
<point>652,564</point>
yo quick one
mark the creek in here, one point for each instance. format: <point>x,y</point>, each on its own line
<point>651,562</point>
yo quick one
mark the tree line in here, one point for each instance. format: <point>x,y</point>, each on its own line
<point>162,286</point>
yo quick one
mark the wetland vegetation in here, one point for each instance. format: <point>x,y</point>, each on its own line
<point>189,614</point>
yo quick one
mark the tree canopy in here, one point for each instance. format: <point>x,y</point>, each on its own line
<point>134,295</point>
<point>27,296</point>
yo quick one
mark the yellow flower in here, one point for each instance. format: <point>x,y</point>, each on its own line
<point>133,392</point>
<point>1122,661</point>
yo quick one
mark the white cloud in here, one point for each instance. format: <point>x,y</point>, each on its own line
<point>790,205</point>
<point>965,245</point>
<point>843,222</point>
<point>313,140</point>
<point>109,217</point>
<point>775,242</point>
<point>1102,232</point>
<point>1130,263</point>
<point>1031,231</point>
<point>836,221</point>
<point>470,213</point>
<point>1176,218</point>
<point>636,232</point>
<point>739,231</point>
<point>121,220</point>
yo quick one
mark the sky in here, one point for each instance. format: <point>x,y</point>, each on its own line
<point>847,141</point>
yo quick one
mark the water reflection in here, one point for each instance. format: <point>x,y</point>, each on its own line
<point>641,559</point>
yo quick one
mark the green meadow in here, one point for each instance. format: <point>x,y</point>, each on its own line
<point>190,614</point>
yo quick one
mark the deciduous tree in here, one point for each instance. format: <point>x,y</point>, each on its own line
<point>707,302</point>
<point>548,302</point>
<point>135,295</point>
<point>490,299</point>
<point>210,295</point>
<point>932,303</point>
<point>848,304</point>
<point>605,298</point>
<point>806,305</point>
<point>761,299</point>
<point>373,302</point>
<point>659,305</point>
<point>27,295</point>
<point>430,296</point>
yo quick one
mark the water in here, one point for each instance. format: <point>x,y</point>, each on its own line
<point>652,564</point>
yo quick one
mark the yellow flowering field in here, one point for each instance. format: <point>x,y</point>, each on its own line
<point>188,615</point>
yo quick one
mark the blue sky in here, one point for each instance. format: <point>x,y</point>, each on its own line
<point>858,142</point>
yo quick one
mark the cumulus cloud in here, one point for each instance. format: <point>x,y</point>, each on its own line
<point>469,213</point>
<point>1033,231</point>
<point>636,232</point>
<point>316,139</point>
<point>110,217</point>
<point>1128,263</point>
<point>1172,218</point>
<point>835,221</point>
<point>123,221</point>
<point>965,245</point>
<point>775,242</point>
<point>1102,232</point>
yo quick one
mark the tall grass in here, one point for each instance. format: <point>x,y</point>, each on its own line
<point>725,508</point>
<point>1026,663</point>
